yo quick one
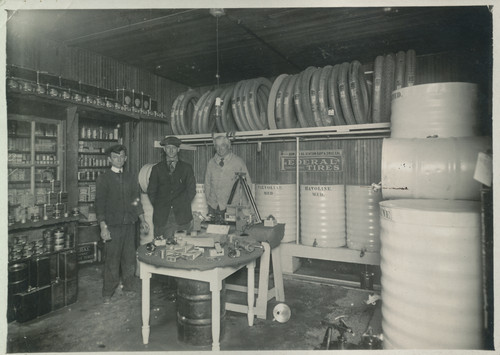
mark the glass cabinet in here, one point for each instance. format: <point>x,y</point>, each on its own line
<point>36,188</point>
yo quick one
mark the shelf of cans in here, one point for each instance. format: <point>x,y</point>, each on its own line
<point>45,84</point>
<point>28,207</point>
<point>52,240</point>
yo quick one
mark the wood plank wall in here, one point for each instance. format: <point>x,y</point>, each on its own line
<point>94,69</point>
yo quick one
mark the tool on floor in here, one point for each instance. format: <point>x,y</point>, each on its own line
<point>281,313</point>
<point>371,341</point>
<point>341,343</point>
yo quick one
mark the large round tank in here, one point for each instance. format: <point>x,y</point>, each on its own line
<point>433,168</point>
<point>362,217</point>
<point>322,215</point>
<point>431,274</point>
<point>199,203</point>
<point>281,202</point>
<point>437,109</point>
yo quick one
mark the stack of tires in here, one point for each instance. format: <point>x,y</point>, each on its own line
<point>390,72</point>
<point>319,97</point>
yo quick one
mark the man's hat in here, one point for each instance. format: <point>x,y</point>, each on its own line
<point>171,141</point>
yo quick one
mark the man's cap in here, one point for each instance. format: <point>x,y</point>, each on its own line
<point>117,148</point>
<point>171,141</point>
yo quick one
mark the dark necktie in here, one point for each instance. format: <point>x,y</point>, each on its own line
<point>221,163</point>
<point>172,166</point>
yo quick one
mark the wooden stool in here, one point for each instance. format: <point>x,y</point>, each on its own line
<point>263,293</point>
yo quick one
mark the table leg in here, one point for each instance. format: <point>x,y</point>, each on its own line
<point>215,287</point>
<point>250,291</point>
<point>146,277</point>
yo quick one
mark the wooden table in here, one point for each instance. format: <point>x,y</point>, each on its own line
<point>213,273</point>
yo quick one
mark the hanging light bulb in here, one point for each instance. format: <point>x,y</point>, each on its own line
<point>217,13</point>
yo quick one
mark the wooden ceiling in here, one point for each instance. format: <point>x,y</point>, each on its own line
<point>181,44</point>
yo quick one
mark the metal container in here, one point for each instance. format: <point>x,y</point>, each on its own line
<point>433,168</point>
<point>362,218</point>
<point>322,215</point>
<point>281,202</point>
<point>199,203</point>
<point>194,312</point>
<point>18,278</point>
<point>431,274</point>
<point>437,109</point>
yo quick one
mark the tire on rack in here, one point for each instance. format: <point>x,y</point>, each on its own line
<point>399,76</point>
<point>290,119</point>
<point>345,99</point>
<point>275,100</point>
<point>326,119</point>
<point>197,108</point>
<point>218,119</point>
<point>206,121</point>
<point>305,99</point>
<point>411,67</point>
<point>377,88</point>
<point>173,114</point>
<point>358,89</point>
<point>240,112</point>
<point>246,98</point>
<point>259,90</point>
<point>263,98</point>
<point>334,96</point>
<point>388,73</point>
<point>279,106</point>
<point>186,110</point>
<point>227,117</point>
<point>314,97</point>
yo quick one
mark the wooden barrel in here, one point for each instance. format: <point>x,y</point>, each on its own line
<point>194,312</point>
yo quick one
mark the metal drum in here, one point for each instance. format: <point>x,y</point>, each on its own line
<point>431,274</point>
<point>322,215</point>
<point>199,203</point>
<point>194,312</point>
<point>362,218</point>
<point>432,168</point>
<point>281,202</point>
<point>437,109</point>
<point>18,278</point>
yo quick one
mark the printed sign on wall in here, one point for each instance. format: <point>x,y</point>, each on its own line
<point>312,161</point>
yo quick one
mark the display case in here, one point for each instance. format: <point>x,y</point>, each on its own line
<point>35,169</point>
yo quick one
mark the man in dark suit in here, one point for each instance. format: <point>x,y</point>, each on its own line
<point>172,187</point>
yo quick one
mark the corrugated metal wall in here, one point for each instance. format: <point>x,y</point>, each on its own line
<point>361,162</point>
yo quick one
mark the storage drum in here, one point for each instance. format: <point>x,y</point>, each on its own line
<point>194,311</point>
<point>431,274</point>
<point>362,218</point>
<point>199,203</point>
<point>437,109</point>
<point>322,215</point>
<point>281,202</point>
<point>432,168</point>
